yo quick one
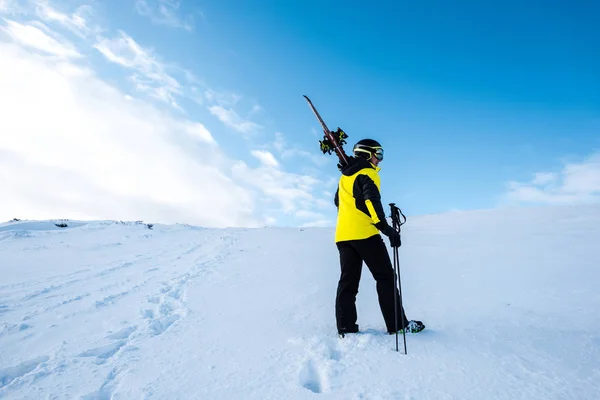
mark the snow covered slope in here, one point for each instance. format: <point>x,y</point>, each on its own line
<point>107,310</point>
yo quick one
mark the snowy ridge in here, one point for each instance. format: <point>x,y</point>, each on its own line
<point>110,310</point>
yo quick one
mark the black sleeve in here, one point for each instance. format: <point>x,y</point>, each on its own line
<point>336,199</point>
<point>368,191</point>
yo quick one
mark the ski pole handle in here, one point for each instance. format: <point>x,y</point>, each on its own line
<point>396,213</point>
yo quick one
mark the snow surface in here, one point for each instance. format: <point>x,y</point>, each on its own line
<point>109,310</point>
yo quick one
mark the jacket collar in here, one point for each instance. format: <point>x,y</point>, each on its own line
<point>356,164</point>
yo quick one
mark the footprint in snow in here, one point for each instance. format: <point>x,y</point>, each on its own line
<point>322,361</point>
<point>175,293</point>
<point>8,375</point>
<point>13,328</point>
<point>109,300</point>
<point>122,334</point>
<point>312,378</point>
<point>103,353</point>
<point>160,325</point>
<point>105,392</point>
<point>165,310</point>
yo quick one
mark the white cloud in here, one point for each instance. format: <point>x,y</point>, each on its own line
<point>10,7</point>
<point>577,182</point>
<point>126,52</point>
<point>315,219</point>
<point>77,22</point>
<point>150,75</point>
<point>319,223</point>
<point>544,178</point>
<point>41,38</point>
<point>73,146</point>
<point>305,214</point>
<point>266,158</point>
<point>288,191</point>
<point>154,89</point>
<point>286,151</point>
<point>222,105</point>
<point>231,118</point>
<point>164,12</point>
<point>270,221</point>
<point>226,99</point>
<point>256,109</point>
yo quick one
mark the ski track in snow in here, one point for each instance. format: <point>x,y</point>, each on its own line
<point>158,310</point>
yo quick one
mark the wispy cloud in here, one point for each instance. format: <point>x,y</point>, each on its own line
<point>266,158</point>
<point>164,12</point>
<point>287,151</point>
<point>256,109</point>
<point>10,7</point>
<point>576,182</point>
<point>228,99</point>
<point>150,74</point>
<point>39,37</point>
<point>231,118</point>
<point>77,22</point>
<point>223,106</point>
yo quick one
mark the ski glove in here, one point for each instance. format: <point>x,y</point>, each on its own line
<point>391,233</point>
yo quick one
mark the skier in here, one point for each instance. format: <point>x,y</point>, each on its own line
<point>360,219</point>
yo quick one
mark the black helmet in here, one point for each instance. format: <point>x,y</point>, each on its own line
<point>367,148</point>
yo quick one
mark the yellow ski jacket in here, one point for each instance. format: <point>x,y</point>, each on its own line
<point>360,213</point>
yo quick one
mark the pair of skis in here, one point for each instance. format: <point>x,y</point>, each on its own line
<point>332,141</point>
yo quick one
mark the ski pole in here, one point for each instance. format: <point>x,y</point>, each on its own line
<point>397,271</point>
<point>395,301</point>
<point>396,224</point>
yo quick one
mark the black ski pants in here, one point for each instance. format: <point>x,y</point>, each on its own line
<point>373,252</point>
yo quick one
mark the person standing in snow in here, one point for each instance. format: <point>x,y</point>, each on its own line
<point>360,220</point>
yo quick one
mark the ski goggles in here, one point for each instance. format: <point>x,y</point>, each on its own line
<point>371,151</point>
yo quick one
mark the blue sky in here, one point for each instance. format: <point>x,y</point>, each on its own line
<point>477,106</point>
